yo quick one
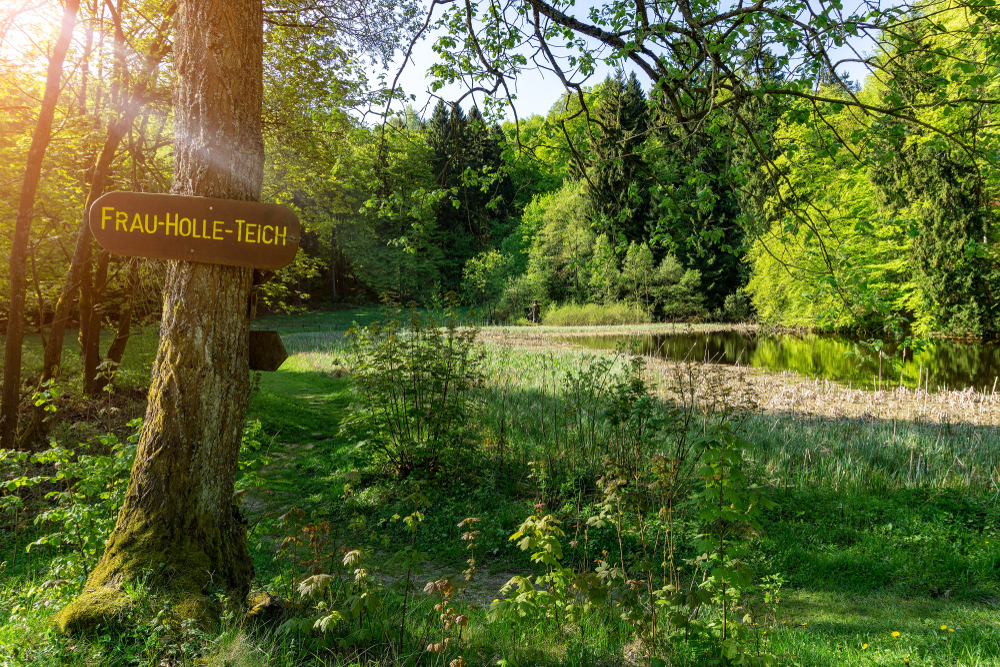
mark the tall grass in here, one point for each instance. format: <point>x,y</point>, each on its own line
<point>593,314</point>
<point>529,400</point>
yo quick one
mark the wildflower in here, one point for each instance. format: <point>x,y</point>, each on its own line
<point>944,627</point>
<point>864,647</point>
<point>951,629</point>
<point>906,661</point>
<point>895,634</point>
<point>765,632</point>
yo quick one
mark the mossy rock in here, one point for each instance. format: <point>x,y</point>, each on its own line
<point>268,610</point>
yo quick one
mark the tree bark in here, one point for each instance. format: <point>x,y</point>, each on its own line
<point>178,526</point>
<point>91,342</point>
<point>117,349</point>
<point>22,230</point>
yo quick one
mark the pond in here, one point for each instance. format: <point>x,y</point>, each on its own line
<point>945,364</point>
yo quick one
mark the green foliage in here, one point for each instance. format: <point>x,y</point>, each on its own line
<point>467,162</point>
<point>485,278</point>
<point>617,184</point>
<point>956,271</point>
<point>561,243</point>
<point>83,495</point>
<point>678,292</point>
<point>413,388</point>
<point>605,283</point>
<point>592,314</point>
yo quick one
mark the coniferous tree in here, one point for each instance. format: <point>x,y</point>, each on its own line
<point>618,183</point>
<point>962,286</point>
<point>945,191</point>
<point>699,216</point>
<point>467,159</point>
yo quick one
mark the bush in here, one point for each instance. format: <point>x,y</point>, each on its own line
<point>413,387</point>
<point>515,302</point>
<point>592,314</point>
<point>679,294</point>
<point>737,307</point>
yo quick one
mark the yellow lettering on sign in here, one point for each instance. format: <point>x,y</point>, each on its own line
<point>284,232</point>
<point>239,237</point>
<point>194,228</point>
<point>249,226</point>
<point>215,230</point>
<point>121,219</point>
<point>148,230</point>
<point>104,214</point>
<point>204,223</point>
<point>180,226</point>
<point>263,238</point>
<point>171,224</point>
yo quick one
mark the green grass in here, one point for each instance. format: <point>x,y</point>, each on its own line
<point>593,314</point>
<point>867,546</point>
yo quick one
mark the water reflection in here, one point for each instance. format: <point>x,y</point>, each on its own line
<point>949,364</point>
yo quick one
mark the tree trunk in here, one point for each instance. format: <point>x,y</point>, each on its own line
<point>333,262</point>
<point>81,253</point>
<point>22,230</point>
<point>91,343</point>
<point>117,349</point>
<point>178,526</point>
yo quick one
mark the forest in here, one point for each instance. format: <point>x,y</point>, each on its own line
<point>476,450</point>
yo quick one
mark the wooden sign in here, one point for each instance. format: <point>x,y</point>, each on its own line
<point>267,352</point>
<point>196,229</point>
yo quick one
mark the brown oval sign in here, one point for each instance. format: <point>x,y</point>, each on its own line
<point>196,229</point>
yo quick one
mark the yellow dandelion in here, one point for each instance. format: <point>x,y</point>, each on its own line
<point>895,634</point>
<point>944,627</point>
<point>906,661</point>
<point>951,629</point>
<point>864,647</point>
<point>765,632</point>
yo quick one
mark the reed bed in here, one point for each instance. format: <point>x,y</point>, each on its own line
<point>803,431</point>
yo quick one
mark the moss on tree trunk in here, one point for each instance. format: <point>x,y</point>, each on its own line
<point>178,529</point>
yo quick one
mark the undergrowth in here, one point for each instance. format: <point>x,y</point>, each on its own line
<point>559,508</point>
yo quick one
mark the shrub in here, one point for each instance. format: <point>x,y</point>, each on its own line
<point>679,293</point>
<point>516,299</point>
<point>592,314</point>
<point>737,307</point>
<point>485,279</point>
<point>413,387</point>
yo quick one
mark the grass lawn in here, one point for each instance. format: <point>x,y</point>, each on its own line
<point>877,529</point>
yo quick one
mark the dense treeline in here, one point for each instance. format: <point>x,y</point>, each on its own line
<point>818,216</point>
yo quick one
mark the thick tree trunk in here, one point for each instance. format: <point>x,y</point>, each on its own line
<point>22,230</point>
<point>178,526</point>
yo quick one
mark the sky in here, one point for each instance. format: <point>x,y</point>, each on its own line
<point>538,90</point>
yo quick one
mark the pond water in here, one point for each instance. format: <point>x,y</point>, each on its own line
<point>946,364</point>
